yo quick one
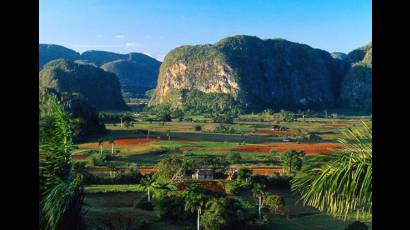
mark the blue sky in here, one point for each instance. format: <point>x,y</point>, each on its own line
<point>155,27</point>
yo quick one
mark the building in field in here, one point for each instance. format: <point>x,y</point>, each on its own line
<point>203,174</point>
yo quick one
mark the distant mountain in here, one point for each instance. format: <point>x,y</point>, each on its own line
<point>270,73</point>
<point>356,88</point>
<point>48,53</point>
<point>137,72</point>
<point>359,53</point>
<point>100,88</point>
<point>101,57</point>
<point>339,55</point>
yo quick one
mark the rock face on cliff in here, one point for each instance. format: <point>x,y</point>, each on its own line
<point>271,73</point>
<point>137,74</point>
<point>356,88</point>
<point>100,88</point>
<point>48,53</point>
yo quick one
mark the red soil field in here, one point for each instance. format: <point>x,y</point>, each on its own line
<point>253,148</point>
<point>325,148</point>
<point>78,157</point>
<point>267,171</point>
<point>147,170</point>
<point>210,185</point>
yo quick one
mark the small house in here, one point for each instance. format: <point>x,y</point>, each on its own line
<point>203,174</point>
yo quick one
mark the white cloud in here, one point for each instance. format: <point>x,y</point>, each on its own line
<point>130,44</point>
<point>120,36</point>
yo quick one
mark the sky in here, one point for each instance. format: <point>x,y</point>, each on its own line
<point>155,27</point>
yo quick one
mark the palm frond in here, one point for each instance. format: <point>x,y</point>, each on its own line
<point>344,185</point>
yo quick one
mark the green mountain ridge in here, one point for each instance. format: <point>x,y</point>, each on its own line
<point>356,88</point>
<point>137,72</point>
<point>100,88</point>
<point>270,73</point>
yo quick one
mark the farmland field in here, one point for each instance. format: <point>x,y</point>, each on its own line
<point>254,142</point>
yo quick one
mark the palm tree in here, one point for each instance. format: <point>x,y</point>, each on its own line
<point>148,183</point>
<point>112,141</point>
<point>194,200</point>
<point>169,134</point>
<point>293,160</point>
<point>344,184</point>
<point>61,192</point>
<point>258,192</point>
<point>112,168</point>
<point>100,143</point>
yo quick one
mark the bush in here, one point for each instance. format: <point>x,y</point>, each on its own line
<point>170,208</point>
<point>234,157</point>
<point>357,225</point>
<point>120,178</point>
<point>143,203</point>
<point>238,187</point>
<point>198,128</point>
<point>273,181</point>
<point>225,129</point>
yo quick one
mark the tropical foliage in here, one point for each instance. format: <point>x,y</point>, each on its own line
<point>61,192</point>
<point>344,185</point>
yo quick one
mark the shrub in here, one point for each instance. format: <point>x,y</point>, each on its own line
<point>170,208</point>
<point>234,157</point>
<point>357,225</point>
<point>238,187</point>
<point>143,203</point>
<point>275,204</point>
<point>273,181</point>
<point>198,128</point>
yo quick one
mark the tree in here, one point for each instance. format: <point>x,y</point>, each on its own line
<point>258,192</point>
<point>148,182</point>
<point>100,143</point>
<point>112,141</point>
<point>61,192</point>
<point>275,203</point>
<point>293,160</point>
<point>171,169</point>
<point>344,184</point>
<point>112,168</point>
<point>178,114</point>
<point>195,198</point>
<point>163,111</point>
<point>169,134</point>
<point>213,217</point>
<point>244,174</point>
<point>234,157</point>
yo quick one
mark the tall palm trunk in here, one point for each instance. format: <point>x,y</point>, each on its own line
<point>101,149</point>
<point>149,198</point>
<point>260,207</point>
<point>112,148</point>
<point>197,222</point>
